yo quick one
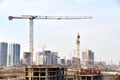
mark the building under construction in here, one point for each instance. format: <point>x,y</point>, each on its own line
<point>45,72</point>
<point>88,75</point>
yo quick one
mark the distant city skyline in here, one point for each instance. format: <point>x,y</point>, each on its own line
<point>101,34</point>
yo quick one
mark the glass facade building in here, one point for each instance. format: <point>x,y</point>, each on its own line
<point>46,58</point>
<point>14,55</point>
<point>3,53</point>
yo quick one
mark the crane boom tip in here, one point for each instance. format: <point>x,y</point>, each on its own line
<point>10,17</point>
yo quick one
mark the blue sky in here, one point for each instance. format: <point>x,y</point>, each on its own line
<point>101,34</point>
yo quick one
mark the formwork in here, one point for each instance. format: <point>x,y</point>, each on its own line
<point>45,72</point>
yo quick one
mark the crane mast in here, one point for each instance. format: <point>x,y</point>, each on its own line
<point>78,51</point>
<point>31,31</point>
<point>31,41</point>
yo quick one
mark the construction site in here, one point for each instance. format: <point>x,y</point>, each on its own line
<point>41,72</point>
<point>51,72</point>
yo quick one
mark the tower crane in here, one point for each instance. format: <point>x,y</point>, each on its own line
<point>32,17</point>
<point>78,51</point>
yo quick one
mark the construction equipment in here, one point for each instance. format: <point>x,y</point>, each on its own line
<point>78,51</point>
<point>32,17</point>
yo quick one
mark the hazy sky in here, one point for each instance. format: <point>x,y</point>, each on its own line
<point>101,34</point>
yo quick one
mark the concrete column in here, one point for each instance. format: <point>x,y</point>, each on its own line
<point>74,77</point>
<point>55,77</point>
<point>85,78</point>
<point>80,78</point>
<point>65,73</point>
<point>39,74</point>
<point>91,77</point>
<point>46,72</point>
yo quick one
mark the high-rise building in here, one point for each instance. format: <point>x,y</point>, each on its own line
<point>14,55</point>
<point>58,61</point>
<point>46,58</point>
<point>3,53</point>
<point>74,60</point>
<point>87,59</point>
<point>27,58</point>
<point>39,58</point>
<point>54,58</point>
<point>69,62</point>
<point>62,61</point>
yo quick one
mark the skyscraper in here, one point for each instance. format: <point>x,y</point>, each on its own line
<point>46,58</point>
<point>39,58</point>
<point>54,58</point>
<point>27,58</point>
<point>14,55</point>
<point>74,60</point>
<point>62,61</point>
<point>3,53</point>
<point>69,62</point>
<point>58,61</point>
<point>87,59</point>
